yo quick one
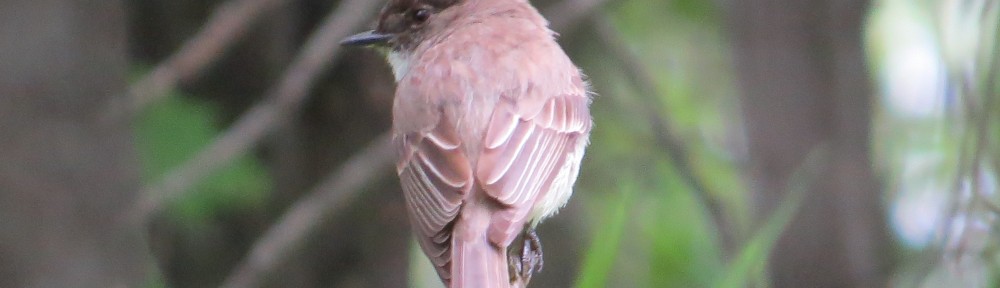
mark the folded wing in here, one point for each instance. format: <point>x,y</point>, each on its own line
<point>435,175</point>
<point>523,151</point>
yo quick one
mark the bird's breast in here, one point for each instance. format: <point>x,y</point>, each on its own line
<point>400,62</point>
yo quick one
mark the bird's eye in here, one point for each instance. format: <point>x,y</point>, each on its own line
<point>421,15</point>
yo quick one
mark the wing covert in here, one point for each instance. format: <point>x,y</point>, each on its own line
<point>521,152</point>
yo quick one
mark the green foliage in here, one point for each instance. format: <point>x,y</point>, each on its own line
<point>751,262</point>
<point>666,238</point>
<point>170,132</point>
<point>696,10</point>
<point>684,251</point>
<point>603,249</point>
<point>154,278</point>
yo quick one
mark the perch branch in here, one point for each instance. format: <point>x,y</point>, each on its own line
<point>229,22</point>
<point>321,49</point>
<point>307,213</point>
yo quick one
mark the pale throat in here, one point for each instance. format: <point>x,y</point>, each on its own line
<point>400,62</point>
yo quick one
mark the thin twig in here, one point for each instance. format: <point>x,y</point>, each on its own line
<point>321,49</point>
<point>228,23</point>
<point>662,126</point>
<point>968,162</point>
<point>307,213</point>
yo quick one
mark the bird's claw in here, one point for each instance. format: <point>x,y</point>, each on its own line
<point>530,259</point>
<point>531,252</point>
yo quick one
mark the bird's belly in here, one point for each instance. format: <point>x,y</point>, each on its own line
<point>562,185</point>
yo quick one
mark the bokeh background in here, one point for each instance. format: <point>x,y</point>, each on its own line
<point>763,143</point>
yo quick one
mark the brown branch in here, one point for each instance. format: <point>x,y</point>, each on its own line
<point>321,49</point>
<point>663,128</point>
<point>307,213</point>
<point>229,22</point>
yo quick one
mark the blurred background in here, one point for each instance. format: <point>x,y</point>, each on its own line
<point>784,143</point>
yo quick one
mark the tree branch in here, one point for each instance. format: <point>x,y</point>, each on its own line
<point>307,213</point>
<point>229,22</point>
<point>321,49</point>
<point>663,128</point>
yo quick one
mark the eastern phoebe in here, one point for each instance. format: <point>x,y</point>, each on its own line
<point>490,119</point>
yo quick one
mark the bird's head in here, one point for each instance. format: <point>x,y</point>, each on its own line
<point>404,24</point>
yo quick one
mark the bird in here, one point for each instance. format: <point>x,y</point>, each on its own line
<point>491,120</point>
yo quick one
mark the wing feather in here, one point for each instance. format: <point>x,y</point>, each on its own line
<point>506,125</point>
<point>523,152</point>
<point>508,153</point>
<point>435,175</point>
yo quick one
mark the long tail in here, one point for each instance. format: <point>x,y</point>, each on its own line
<point>478,264</point>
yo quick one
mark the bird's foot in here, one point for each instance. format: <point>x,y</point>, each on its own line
<point>529,261</point>
<point>531,252</point>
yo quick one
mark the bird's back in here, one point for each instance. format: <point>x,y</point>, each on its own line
<point>490,115</point>
<point>505,52</point>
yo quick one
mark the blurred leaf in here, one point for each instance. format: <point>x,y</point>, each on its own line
<point>696,10</point>
<point>603,250</point>
<point>751,262</point>
<point>675,244</point>
<point>172,131</point>
<point>683,248</point>
<point>154,278</point>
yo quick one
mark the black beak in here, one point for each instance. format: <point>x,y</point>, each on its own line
<point>366,39</point>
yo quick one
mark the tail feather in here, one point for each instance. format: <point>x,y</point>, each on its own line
<point>478,264</point>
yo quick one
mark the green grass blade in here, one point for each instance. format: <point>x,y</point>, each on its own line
<point>601,254</point>
<point>749,264</point>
